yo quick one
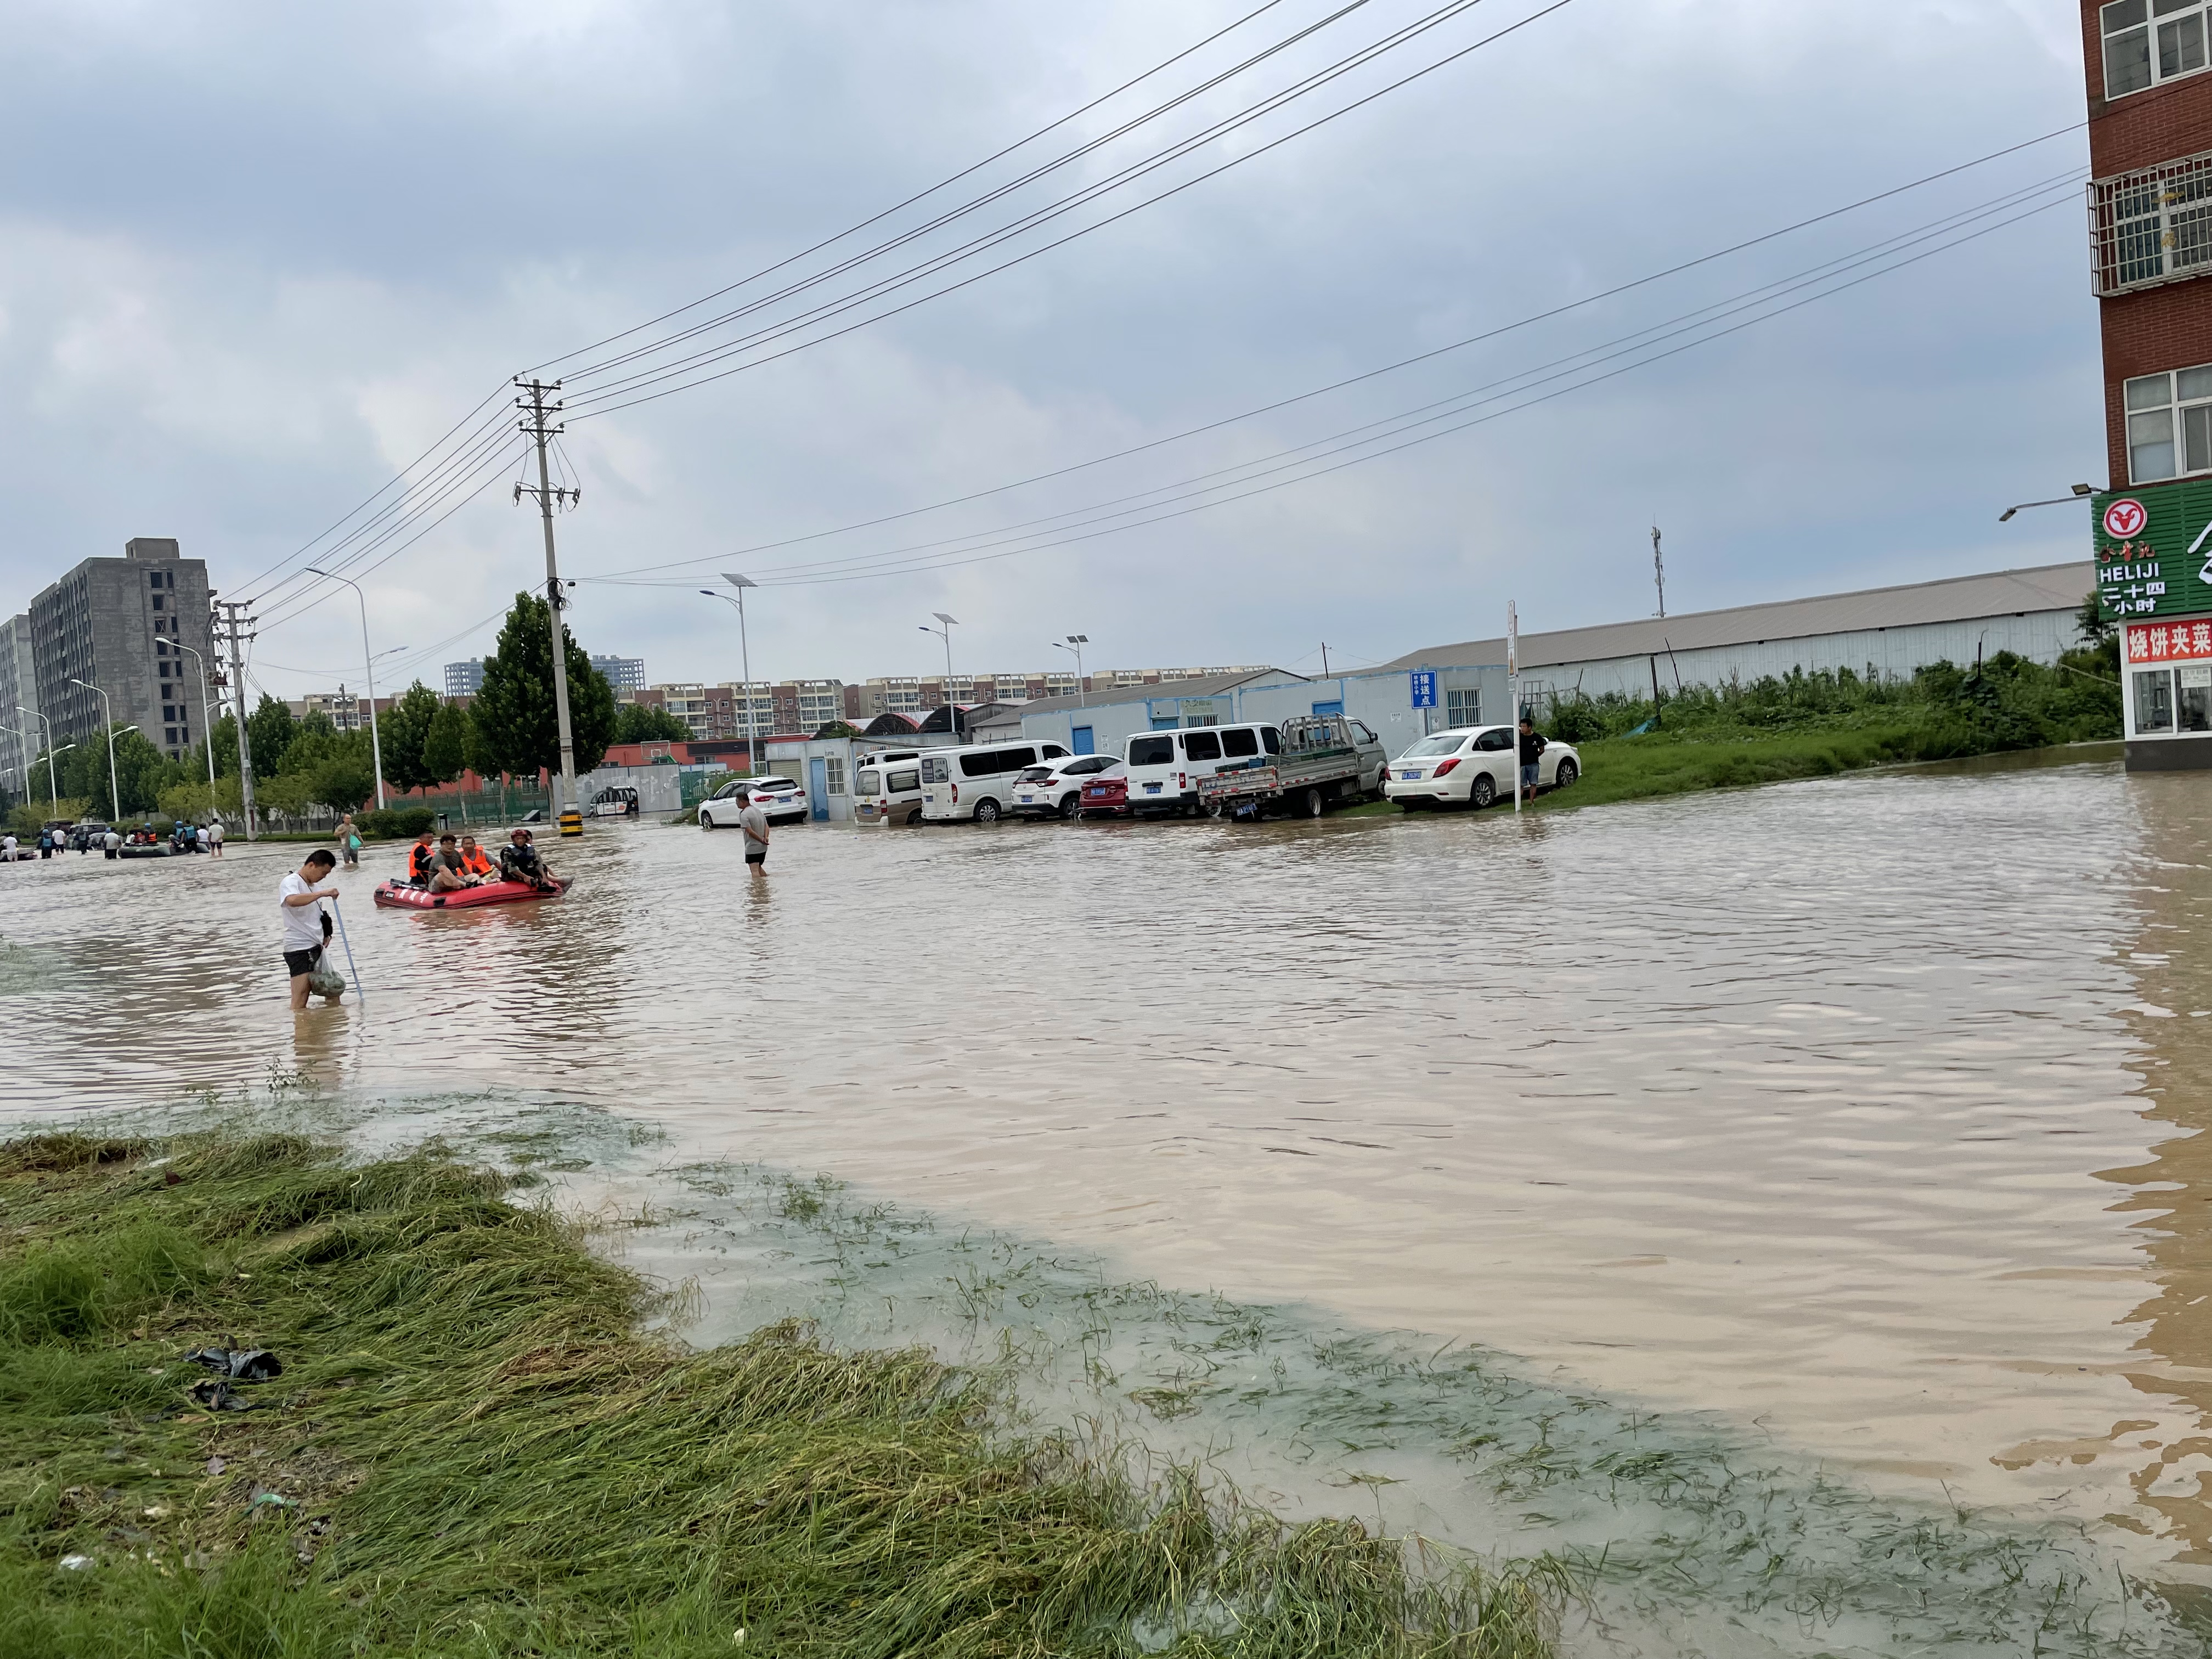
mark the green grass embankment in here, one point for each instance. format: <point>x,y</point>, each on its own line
<point>475,1449</point>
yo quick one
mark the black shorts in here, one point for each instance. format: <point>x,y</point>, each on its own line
<point>756,858</point>
<point>297,963</point>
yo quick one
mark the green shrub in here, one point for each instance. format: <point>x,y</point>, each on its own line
<point>396,823</point>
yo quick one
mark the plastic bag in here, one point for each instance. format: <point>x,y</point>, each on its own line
<point>326,980</point>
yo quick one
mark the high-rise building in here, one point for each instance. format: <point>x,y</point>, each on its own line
<point>466,679</point>
<point>2150,198</point>
<point>623,673</point>
<point>124,626</point>
<point>19,690</point>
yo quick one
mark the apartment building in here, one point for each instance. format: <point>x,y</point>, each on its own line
<point>2150,200</point>
<point>128,628</point>
<point>20,741</point>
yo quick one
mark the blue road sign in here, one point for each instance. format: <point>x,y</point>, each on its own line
<point>1425,687</point>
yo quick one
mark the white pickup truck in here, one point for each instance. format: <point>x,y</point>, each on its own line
<point>1326,760</point>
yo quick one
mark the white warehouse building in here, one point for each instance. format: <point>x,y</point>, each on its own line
<point>1887,631</point>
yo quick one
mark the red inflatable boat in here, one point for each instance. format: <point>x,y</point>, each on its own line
<point>399,896</point>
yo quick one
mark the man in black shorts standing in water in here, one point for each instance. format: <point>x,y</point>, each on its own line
<point>306,925</point>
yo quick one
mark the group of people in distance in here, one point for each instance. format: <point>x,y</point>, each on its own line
<point>446,863</point>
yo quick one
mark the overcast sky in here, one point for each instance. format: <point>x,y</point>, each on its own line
<point>254,259</point>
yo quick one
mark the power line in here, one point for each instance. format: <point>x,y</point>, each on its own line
<point>1410,443</point>
<point>1935,227</point>
<point>919,273</point>
<point>919,196</point>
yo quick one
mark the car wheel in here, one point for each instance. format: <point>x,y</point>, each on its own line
<point>1567,774</point>
<point>1313,803</point>
<point>1213,809</point>
<point>1481,792</point>
<point>1067,806</point>
<point>706,819</point>
<point>987,811</point>
<point>915,817</point>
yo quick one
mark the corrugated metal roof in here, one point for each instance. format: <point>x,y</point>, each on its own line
<point>1209,685</point>
<point>1956,598</point>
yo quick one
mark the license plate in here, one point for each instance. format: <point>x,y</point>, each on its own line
<point>1151,789</point>
<point>1407,777</point>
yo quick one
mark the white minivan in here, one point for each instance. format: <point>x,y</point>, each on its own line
<point>887,787</point>
<point>978,781</point>
<point>1164,767</point>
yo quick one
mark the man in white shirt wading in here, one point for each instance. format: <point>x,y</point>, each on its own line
<point>307,924</point>
<point>754,822</point>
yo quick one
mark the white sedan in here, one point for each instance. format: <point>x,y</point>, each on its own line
<point>1472,766</point>
<point>1055,788</point>
<point>782,799</point>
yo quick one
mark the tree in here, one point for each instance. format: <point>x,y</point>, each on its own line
<point>268,733</point>
<point>446,744</point>
<point>514,708</point>
<point>2091,620</point>
<point>142,772</point>
<point>402,729</point>
<point>641,722</point>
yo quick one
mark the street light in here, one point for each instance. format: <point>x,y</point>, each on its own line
<point>745,659</point>
<point>368,666</point>
<point>1075,643</point>
<point>951,710</point>
<point>48,727</point>
<point>107,717</point>
<point>2079,490</point>
<point>207,720</point>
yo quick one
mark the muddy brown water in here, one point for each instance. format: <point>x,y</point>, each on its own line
<point>1865,1112</point>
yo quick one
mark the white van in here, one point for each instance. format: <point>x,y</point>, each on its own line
<point>887,787</point>
<point>1164,767</point>
<point>978,781</point>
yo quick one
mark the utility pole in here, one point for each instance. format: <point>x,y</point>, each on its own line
<point>1324,659</point>
<point>1659,570</point>
<point>535,411</point>
<point>234,626</point>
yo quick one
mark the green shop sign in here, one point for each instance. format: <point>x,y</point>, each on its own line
<point>2154,550</point>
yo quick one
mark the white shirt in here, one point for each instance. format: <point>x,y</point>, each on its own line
<point>754,822</point>
<point>215,832</point>
<point>303,926</point>
<point>8,842</point>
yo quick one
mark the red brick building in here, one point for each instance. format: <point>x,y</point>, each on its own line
<point>2150,210</point>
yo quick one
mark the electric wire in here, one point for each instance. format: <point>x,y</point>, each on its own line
<point>920,195</point>
<point>638,383</point>
<point>1761,294</point>
<point>1426,437</point>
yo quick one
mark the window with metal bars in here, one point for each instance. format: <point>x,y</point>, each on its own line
<point>2152,227</point>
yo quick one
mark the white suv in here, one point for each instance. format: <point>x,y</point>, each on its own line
<point>782,799</point>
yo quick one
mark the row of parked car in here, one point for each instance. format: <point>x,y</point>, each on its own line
<point>1301,767</point>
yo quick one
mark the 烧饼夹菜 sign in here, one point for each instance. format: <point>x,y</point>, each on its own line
<point>2154,550</point>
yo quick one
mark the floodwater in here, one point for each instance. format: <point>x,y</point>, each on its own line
<point>1863,1114</point>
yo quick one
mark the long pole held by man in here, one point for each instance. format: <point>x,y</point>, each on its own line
<point>534,411</point>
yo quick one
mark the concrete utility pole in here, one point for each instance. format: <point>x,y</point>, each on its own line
<point>1659,570</point>
<point>534,411</point>
<point>234,626</point>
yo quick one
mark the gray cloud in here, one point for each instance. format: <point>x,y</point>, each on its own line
<point>252,258</point>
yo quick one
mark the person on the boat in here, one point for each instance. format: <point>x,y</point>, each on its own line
<point>446,873</point>
<point>518,861</point>
<point>419,858</point>
<point>476,863</point>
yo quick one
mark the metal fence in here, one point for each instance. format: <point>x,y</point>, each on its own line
<point>2150,226</point>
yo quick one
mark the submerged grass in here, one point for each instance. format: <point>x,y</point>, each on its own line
<point>474,1449</point>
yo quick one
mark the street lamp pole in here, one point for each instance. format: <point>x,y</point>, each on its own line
<point>952,709</point>
<point>745,658</point>
<point>1075,643</point>
<point>2079,490</point>
<point>207,721</point>
<point>368,667</point>
<point>108,713</point>
<point>46,726</point>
